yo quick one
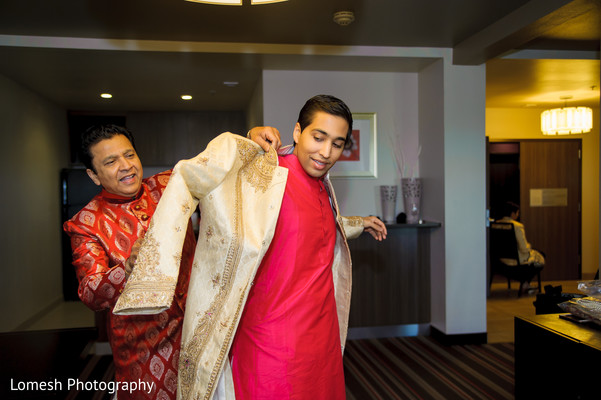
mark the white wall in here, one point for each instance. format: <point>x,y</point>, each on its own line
<point>431,127</point>
<point>34,149</point>
<point>465,199</point>
<point>393,96</point>
<point>448,101</point>
<point>453,167</point>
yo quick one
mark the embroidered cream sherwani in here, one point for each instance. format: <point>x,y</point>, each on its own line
<point>239,189</point>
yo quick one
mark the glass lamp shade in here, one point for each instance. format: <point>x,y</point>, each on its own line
<point>219,2</point>
<point>566,120</point>
<point>235,2</point>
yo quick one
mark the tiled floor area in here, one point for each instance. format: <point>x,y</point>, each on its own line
<point>67,314</point>
<point>503,305</point>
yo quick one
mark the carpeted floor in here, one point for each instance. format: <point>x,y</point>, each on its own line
<point>397,368</point>
<point>421,368</point>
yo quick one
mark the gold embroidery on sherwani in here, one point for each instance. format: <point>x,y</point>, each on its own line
<point>209,232</point>
<point>216,280</point>
<point>178,258</point>
<point>147,285</point>
<point>246,150</point>
<point>192,350</point>
<point>260,170</point>
<point>355,221</point>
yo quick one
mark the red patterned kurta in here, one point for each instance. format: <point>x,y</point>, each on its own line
<point>287,345</point>
<point>145,347</point>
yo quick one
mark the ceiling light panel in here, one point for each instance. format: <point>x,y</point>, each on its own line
<point>219,2</point>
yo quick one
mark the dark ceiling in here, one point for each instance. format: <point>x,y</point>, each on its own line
<point>148,52</point>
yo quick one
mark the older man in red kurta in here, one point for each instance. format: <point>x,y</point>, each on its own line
<point>103,234</point>
<point>145,347</point>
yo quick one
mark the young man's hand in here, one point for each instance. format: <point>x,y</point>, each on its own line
<point>265,136</point>
<point>375,227</point>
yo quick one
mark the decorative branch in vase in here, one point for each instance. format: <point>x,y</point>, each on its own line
<point>411,185</point>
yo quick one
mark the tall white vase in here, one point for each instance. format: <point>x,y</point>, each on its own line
<point>412,195</point>
<point>388,198</point>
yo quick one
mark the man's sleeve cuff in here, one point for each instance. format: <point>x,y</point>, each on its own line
<point>145,298</point>
<point>353,226</point>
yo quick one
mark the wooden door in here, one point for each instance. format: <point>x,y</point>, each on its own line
<point>550,198</point>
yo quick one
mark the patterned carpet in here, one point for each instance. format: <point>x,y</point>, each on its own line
<point>421,368</point>
<point>395,368</point>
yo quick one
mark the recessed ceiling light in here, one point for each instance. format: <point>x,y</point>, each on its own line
<point>186,97</point>
<point>231,83</point>
<point>106,95</point>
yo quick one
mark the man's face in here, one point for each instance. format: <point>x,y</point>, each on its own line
<point>320,144</point>
<point>118,168</point>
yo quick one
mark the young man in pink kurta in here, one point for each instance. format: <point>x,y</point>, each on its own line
<point>287,345</point>
<point>270,226</point>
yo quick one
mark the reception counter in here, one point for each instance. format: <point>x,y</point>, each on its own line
<point>391,279</point>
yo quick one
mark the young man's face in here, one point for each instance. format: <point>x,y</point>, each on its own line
<point>320,144</point>
<point>118,168</point>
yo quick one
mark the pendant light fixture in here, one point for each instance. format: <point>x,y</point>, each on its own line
<point>235,2</point>
<point>566,120</point>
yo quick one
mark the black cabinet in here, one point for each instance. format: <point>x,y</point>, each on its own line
<point>391,279</point>
<point>556,359</point>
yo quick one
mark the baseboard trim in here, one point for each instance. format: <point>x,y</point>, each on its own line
<point>374,332</point>
<point>101,349</point>
<point>35,317</point>
<point>461,339</point>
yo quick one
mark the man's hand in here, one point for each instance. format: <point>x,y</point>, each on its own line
<point>375,227</point>
<point>265,136</point>
<point>133,256</point>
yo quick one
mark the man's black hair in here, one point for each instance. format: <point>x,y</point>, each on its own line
<point>328,104</point>
<point>510,207</point>
<point>96,134</point>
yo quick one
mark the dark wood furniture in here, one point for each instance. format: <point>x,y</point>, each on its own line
<point>391,279</point>
<point>503,245</point>
<point>556,359</point>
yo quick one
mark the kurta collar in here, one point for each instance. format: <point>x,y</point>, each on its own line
<point>115,198</point>
<point>289,149</point>
<point>295,165</point>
